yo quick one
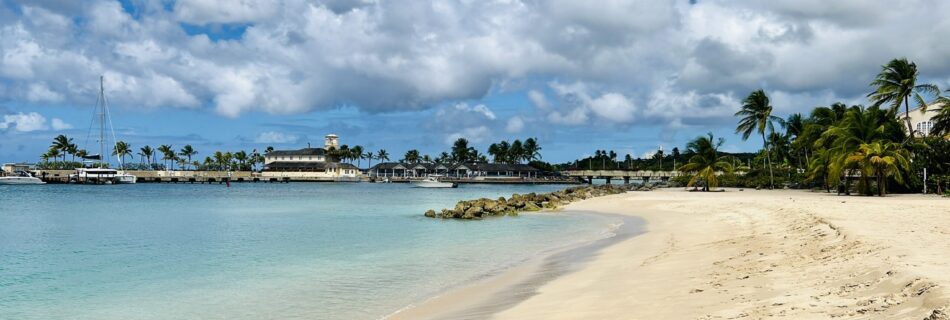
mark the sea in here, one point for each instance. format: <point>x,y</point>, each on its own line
<point>257,250</point>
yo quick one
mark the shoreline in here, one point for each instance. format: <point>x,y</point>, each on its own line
<point>517,283</point>
<point>738,254</point>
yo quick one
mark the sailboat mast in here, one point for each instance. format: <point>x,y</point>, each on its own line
<point>102,123</point>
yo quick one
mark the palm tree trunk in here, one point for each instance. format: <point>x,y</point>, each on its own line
<point>768,157</point>
<point>910,127</point>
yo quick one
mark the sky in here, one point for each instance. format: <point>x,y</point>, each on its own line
<point>630,76</point>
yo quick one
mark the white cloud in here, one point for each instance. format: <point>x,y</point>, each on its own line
<point>476,135</point>
<point>39,92</point>
<point>537,98</point>
<point>515,125</point>
<point>276,138</point>
<point>578,102</point>
<point>58,124</point>
<point>23,122</point>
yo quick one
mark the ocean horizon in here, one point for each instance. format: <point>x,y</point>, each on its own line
<point>251,251</point>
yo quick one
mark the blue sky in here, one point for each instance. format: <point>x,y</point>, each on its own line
<point>623,75</point>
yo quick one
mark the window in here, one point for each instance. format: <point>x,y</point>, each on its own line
<point>924,127</point>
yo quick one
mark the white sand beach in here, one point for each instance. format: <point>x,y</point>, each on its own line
<point>746,254</point>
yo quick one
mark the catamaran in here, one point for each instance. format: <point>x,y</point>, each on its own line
<point>101,174</point>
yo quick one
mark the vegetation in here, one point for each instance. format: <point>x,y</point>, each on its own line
<point>706,164</point>
<point>756,116</point>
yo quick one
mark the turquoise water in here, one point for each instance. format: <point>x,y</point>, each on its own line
<point>252,251</point>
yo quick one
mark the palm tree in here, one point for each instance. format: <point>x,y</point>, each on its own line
<point>859,126</point>
<point>881,159</point>
<point>53,153</point>
<point>146,153</point>
<point>897,84</point>
<point>412,156</point>
<point>357,153</point>
<point>72,149</point>
<point>167,154</point>
<point>241,158</point>
<point>460,150</point>
<point>187,151</point>
<point>122,149</point>
<point>705,161</point>
<point>369,155</point>
<point>82,153</point>
<point>941,121</point>
<point>531,149</point>
<point>382,155</point>
<point>62,144</point>
<point>756,116</point>
<point>516,152</point>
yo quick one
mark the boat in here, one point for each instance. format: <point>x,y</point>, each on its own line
<point>20,177</point>
<point>101,174</point>
<point>433,182</point>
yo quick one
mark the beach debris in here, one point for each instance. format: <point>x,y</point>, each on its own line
<point>480,208</point>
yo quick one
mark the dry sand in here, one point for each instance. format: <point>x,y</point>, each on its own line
<point>747,255</point>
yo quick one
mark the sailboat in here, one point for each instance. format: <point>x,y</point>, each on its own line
<point>102,175</point>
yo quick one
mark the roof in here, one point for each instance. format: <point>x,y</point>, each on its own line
<point>492,167</point>
<point>930,108</point>
<point>308,165</point>
<point>498,167</point>
<point>301,152</point>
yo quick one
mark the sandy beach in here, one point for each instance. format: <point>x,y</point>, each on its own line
<point>740,254</point>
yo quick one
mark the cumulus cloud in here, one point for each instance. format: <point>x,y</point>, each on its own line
<point>579,102</point>
<point>292,56</point>
<point>58,124</point>
<point>463,121</point>
<point>23,122</point>
<point>515,125</point>
<point>276,137</point>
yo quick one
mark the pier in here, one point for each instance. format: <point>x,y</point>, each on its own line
<point>588,176</point>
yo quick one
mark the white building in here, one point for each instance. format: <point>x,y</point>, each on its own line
<point>921,121</point>
<point>308,163</point>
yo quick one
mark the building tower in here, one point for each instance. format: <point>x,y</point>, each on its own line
<point>331,141</point>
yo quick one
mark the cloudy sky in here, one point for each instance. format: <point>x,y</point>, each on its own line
<point>578,75</point>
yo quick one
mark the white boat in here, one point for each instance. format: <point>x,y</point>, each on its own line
<point>20,178</point>
<point>102,175</point>
<point>432,182</point>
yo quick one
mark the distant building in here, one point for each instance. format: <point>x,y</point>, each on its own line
<point>461,170</point>
<point>921,121</point>
<point>309,161</point>
<point>15,167</point>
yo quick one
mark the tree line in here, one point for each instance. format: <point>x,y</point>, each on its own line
<point>515,152</point>
<point>869,149</point>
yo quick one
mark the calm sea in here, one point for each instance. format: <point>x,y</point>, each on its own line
<point>254,251</point>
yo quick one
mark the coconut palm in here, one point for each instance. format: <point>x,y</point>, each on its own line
<point>82,153</point>
<point>941,121</point>
<point>859,126</point>
<point>896,84</point>
<point>356,152</point>
<point>756,116</point>
<point>241,158</point>
<point>62,144</point>
<point>53,153</point>
<point>460,150</point>
<point>412,156</point>
<point>122,150</point>
<point>187,151</point>
<point>382,155</point>
<point>369,156</point>
<point>146,153</point>
<point>531,149</point>
<point>705,161</point>
<point>516,152</point>
<point>881,159</point>
<point>167,154</point>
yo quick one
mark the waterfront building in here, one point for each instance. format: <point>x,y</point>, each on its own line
<point>462,170</point>
<point>309,162</point>
<point>921,121</point>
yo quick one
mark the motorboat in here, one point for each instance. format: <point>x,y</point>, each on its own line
<point>20,177</point>
<point>433,182</point>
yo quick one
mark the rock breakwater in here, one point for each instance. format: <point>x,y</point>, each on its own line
<point>484,207</point>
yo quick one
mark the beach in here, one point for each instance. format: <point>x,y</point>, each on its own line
<point>738,254</point>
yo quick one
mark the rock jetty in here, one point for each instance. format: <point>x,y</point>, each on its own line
<point>480,208</point>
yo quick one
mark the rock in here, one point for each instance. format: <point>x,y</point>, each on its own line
<point>530,206</point>
<point>430,213</point>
